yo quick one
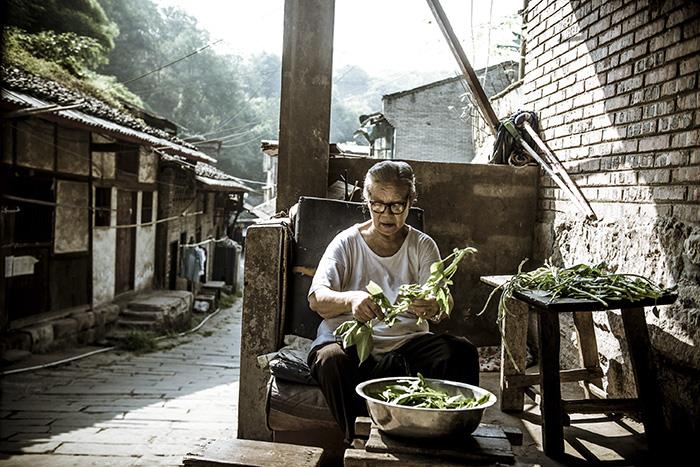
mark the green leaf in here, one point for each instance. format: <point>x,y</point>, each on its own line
<point>374,289</point>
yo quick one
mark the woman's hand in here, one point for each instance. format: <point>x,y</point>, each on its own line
<point>363,307</point>
<point>427,308</point>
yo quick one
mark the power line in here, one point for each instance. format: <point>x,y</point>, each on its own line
<point>194,52</point>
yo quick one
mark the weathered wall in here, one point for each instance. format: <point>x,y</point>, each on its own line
<point>145,248</point>
<point>433,123</point>
<point>104,242</point>
<point>489,207</point>
<point>616,88</point>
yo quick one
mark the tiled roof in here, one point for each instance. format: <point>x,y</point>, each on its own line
<point>28,90</point>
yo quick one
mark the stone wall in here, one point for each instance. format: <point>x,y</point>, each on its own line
<point>490,207</point>
<point>616,87</point>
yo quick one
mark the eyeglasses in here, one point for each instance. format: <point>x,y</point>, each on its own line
<point>395,208</point>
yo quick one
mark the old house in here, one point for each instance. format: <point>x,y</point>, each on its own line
<point>87,192</point>
<point>433,121</point>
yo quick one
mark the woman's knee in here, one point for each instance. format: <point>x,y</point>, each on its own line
<point>330,357</point>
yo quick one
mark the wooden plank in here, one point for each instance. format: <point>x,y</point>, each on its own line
<point>467,449</point>
<point>362,426</point>
<point>549,346</point>
<point>642,357</point>
<point>600,405</point>
<point>242,452</point>
<point>588,350</point>
<point>362,458</point>
<point>513,354</point>
<point>565,376</point>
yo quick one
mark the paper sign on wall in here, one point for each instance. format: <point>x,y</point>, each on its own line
<point>19,265</point>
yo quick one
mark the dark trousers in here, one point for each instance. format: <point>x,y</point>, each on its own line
<point>337,370</point>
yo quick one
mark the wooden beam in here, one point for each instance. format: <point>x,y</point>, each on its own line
<point>481,100</point>
<point>600,405</point>
<point>39,110</point>
<point>565,376</point>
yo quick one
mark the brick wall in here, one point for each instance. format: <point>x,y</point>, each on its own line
<point>615,84</point>
<point>433,122</point>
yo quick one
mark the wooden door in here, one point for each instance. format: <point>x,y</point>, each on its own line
<point>126,242</point>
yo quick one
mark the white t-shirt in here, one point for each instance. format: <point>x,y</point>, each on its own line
<point>349,264</point>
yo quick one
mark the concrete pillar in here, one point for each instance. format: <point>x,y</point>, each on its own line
<point>305,107</point>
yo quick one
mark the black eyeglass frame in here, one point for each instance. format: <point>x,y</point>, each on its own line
<point>378,207</point>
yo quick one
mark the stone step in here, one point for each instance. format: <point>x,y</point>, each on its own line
<point>130,324</point>
<point>13,356</point>
<point>142,315</point>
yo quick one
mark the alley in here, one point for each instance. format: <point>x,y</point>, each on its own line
<point>125,409</point>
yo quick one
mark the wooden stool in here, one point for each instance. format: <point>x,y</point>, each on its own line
<point>555,412</point>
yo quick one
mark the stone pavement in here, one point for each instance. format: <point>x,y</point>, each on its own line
<point>124,409</point>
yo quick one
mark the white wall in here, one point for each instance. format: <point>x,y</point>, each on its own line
<point>145,247</point>
<point>104,252</point>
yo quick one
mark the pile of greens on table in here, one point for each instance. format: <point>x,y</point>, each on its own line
<point>415,393</point>
<point>359,334</point>
<point>582,281</point>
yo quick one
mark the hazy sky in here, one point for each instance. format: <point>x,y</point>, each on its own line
<point>380,36</point>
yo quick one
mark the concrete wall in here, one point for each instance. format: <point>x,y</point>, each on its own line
<point>616,88</point>
<point>104,251</point>
<point>489,207</point>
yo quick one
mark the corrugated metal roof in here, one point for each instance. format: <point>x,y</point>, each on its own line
<point>221,184</point>
<point>25,100</point>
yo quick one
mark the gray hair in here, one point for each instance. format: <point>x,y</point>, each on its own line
<point>391,173</point>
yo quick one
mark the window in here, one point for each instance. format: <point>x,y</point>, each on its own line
<point>128,161</point>
<point>146,207</point>
<point>103,207</point>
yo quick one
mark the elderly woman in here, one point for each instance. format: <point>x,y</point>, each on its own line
<point>391,253</point>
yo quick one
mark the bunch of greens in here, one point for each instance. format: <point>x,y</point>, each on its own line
<point>359,334</point>
<point>415,393</point>
<point>582,281</point>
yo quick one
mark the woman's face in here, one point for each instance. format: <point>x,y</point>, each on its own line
<point>388,197</point>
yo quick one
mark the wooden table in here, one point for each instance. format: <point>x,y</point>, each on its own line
<point>515,383</point>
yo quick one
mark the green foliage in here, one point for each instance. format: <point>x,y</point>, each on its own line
<point>415,392</point>
<point>359,334</point>
<point>138,342</point>
<point>32,53</point>
<point>73,52</point>
<point>226,300</point>
<point>82,17</point>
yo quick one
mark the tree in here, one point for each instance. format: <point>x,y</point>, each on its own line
<point>82,17</point>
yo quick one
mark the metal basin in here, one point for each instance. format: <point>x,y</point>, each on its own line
<point>418,422</point>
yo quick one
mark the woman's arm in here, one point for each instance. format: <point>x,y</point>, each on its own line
<point>330,303</point>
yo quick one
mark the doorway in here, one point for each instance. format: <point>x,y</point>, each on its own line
<point>126,242</point>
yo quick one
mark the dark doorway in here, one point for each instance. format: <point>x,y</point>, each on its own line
<point>126,241</point>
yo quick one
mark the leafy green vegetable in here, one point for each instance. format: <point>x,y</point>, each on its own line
<point>582,281</point>
<point>416,393</point>
<point>360,334</point>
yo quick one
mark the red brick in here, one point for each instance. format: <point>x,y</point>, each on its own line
<point>671,36</point>
<point>686,174</point>
<point>654,143</point>
<point>685,139</point>
<point>684,48</point>
<point>678,85</point>
<point>649,30</point>
<point>669,193</point>
<point>633,53</point>
<point>654,176</point>
<point>671,158</point>
<point>660,74</point>
<point>675,122</point>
